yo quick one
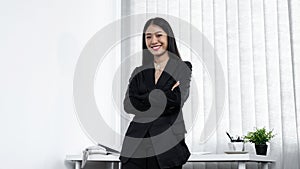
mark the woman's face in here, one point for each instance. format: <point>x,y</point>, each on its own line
<point>156,40</point>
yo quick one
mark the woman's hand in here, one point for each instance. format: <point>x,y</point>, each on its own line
<point>175,85</point>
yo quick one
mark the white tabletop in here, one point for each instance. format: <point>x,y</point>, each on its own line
<point>228,158</point>
<point>94,157</point>
<point>193,158</point>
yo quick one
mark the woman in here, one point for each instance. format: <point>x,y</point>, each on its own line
<point>156,93</point>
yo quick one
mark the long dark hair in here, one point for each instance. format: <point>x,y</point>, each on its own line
<point>172,47</point>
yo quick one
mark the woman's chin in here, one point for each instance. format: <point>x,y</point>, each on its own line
<point>157,53</point>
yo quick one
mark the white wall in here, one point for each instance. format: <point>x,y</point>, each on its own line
<point>40,41</point>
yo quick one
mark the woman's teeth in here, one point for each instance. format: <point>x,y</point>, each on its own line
<point>155,47</point>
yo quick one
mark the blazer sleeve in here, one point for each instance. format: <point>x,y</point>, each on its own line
<point>185,81</point>
<point>177,97</point>
<point>134,102</point>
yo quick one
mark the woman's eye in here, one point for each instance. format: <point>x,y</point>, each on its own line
<point>148,37</point>
<point>159,35</point>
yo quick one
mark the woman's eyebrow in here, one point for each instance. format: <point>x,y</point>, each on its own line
<point>149,33</point>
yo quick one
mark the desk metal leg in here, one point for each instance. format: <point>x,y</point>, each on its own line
<point>264,165</point>
<point>115,165</point>
<point>242,165</point>
<point>77,164</point>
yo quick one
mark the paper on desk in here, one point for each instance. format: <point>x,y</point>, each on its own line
<point>99,149</point>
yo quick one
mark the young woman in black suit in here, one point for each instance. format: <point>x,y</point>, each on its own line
<point>156,93</point>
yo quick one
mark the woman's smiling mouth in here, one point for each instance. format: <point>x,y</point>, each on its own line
<point>156,47</point>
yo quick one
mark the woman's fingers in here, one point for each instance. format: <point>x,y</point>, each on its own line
<point>175,85</point>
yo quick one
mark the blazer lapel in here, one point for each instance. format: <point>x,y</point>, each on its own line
<point>149,76</point>
<point>167,73</point>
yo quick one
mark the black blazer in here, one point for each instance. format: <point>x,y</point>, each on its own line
<point>154,114</point>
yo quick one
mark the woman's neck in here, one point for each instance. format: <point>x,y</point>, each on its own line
<point>162,58</point>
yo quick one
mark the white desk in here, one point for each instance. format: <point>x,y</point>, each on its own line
<point>240,158</point>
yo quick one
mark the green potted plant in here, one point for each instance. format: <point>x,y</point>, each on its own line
<point>260,137</point>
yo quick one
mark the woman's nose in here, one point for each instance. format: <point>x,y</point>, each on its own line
<point>154,40</point>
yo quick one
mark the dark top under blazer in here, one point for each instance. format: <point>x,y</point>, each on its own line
<point>141,83</point>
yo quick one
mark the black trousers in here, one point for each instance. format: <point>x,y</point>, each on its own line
<point>144,163</point>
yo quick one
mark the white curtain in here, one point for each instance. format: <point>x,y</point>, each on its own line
<point>258,45</point>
